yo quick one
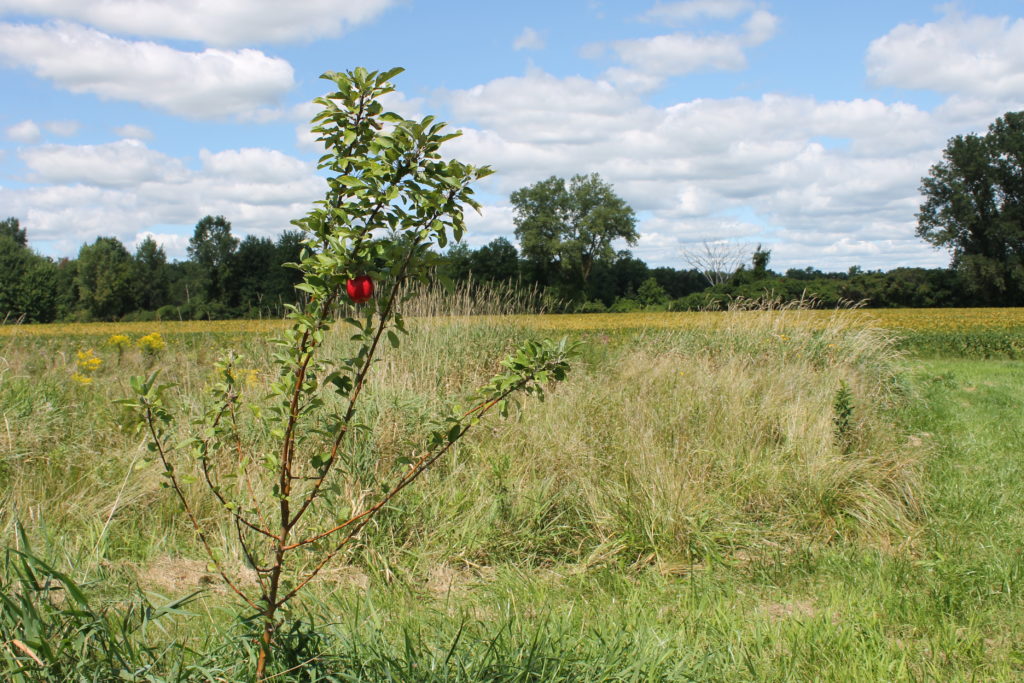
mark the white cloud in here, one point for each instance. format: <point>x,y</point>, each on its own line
<point>124,188</point>
<point>545,109</point>
<point>679,12</point>
<point>254,165</point>
<point>824,175</point>
<point>977,55</point>
<point>529,39</point>
<point>173,244</point>
<point>221,23</point>
<point>27,132</point>
<point>492,222</point>
<point>649,60</point>
<point>681,53</point>
<point>208,84</point>
<point>124,163</point>
<point>64,129</point>
<point>130,130</point>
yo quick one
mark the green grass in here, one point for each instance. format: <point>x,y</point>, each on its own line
<point>682,509</point>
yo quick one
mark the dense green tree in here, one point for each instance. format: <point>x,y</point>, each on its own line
<point>565,229</point>
<point>679,283</point>
<point>497,260</point>
<point>28,283</point>
<point>152,275</point>
<point>254,261</point>
<point>974,207</point>
<point>458,262</point>
<point>11,227</point>
<point>759,261</point>
<point>212,249</point>
<point>650,293</point>
<point>105,280</point>
<point>64,283</point>
<point>284,278</point>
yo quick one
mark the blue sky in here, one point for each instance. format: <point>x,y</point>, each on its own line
<point>803,126</point>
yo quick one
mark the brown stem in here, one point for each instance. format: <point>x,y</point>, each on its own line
<point>418,468</point>
<point>188,510</point>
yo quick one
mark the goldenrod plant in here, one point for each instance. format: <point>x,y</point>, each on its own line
<point>282,472</point>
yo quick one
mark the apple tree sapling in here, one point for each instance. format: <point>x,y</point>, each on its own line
<point>270,466</point>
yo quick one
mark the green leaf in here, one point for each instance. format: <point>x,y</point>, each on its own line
<point>454,432</point>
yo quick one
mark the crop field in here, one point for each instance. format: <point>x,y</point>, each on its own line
<point>732,496</point>
<point>968,320</point>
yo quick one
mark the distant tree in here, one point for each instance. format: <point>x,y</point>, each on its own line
<point>650,293</point>
<point>974,207</point>
<point>458,262</point>
<point>808,273</point>
<point>28,283</point>
<point>152,275</point>
<point>254,261</point>
<point>211,248</point>
<point>564,230</point>
<point>11,227</point>
<point>620,278</point>
<point>759,261</point>
<point>497,260</point>
<point>679,283</point>
<point>105,279</point>
<point>717,261</point>
<point>282,279</point>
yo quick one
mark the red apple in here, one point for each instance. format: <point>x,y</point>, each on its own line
<point>360,289</point>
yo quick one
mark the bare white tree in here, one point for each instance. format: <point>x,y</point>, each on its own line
<point>717,261</point>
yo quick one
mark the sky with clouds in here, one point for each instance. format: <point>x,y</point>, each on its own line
<point>803,126</point>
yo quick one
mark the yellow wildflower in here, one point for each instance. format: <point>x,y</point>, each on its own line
<point>151,344</point>
<point>88,362</point>
<point>119,342</point>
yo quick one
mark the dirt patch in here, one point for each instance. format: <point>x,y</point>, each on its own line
<point>801,609</point>
<point>345,576</point>
<point>179,575</point>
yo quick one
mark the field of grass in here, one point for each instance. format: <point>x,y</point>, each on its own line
<point>737,496</point>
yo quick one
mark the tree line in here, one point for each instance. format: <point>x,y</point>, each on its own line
<point>223,277</point>
<point>228,277</point>
<point>973,205</point>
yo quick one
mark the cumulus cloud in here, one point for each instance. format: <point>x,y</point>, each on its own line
<point>650,60</point>
<point>546,109</point>
<point>26,132</point>
<point>208,84</point>
<point>529,39</point>
<point>825,176</point>
<point>117,164</point>
<point>124,188</point>
<point>966,55</point>
<point>225,23</point>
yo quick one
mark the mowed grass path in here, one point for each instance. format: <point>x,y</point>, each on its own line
<point>971,570</point>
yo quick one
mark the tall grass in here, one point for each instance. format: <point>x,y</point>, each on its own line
<point>471,297</point>
<point>667,450</point>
